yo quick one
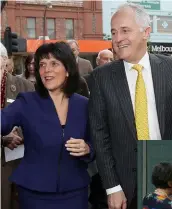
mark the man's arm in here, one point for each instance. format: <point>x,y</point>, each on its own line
<point>113,190</point>
<point>100,134</point>
<point>98,115</point>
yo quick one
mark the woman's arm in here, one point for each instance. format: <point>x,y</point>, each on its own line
<point>12,115</point>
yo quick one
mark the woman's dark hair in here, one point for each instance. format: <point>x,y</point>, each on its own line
<point>161,175</point>
<point>62,52</point>
<point>28,60</point>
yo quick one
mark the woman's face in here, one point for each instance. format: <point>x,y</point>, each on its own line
<point>53,73</point>
<point>31,68</point>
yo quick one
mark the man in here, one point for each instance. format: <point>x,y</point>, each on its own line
<point>10,65</point>
<point>84,65</point>
<point>10,87</point>
<point>98,195</point>
<point>104,56</point>
<point>122,110</point>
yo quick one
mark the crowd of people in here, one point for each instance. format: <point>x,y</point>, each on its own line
<point>76,122</point>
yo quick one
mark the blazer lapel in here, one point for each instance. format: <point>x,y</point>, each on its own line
<point>158,76</point>
<point>122,91</point>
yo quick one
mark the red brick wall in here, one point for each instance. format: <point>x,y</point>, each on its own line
<point>60,28</point>
<point>86,25</point>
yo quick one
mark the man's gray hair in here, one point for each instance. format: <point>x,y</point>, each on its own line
<point>104,50</point>
<point>73,41</point>
<point>3,51</point>
<point>141,15</point>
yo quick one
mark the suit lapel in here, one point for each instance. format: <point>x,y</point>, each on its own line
<point>11,89</point>
<point>158,76</point>
<point>122,91</point>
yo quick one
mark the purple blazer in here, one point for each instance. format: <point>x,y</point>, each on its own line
<point>47,166</point>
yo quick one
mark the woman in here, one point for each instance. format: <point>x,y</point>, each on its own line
<point>29,73</point>
<point>161,198</point>
<point>54,119</point>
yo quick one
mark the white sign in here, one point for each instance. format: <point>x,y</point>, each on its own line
<point>161,48</point>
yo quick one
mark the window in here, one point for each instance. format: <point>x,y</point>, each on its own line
<point>31,27</point>
<point>51,28</point>
<point>164,24</point>
<point>69,29</point>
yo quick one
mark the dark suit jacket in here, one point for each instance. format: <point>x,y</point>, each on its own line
<point>46,163</point>
<point>83,88</point>
<point>113,124</point>
<point>15,85</point>
<point>84,66</point>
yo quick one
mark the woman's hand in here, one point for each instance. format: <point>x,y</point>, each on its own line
<point>77,147</point>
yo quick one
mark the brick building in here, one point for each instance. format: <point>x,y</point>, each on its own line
<point>33,19</point>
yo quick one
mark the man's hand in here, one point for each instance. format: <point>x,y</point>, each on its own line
<point>12,140</point>
<point>117,200</point>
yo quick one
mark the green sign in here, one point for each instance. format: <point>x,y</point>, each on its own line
<point>151,5</point>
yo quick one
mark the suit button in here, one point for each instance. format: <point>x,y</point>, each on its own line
<point>135,149</point>
<point>134,169</point>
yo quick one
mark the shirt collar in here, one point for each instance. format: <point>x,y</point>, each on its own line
<point>144,62</point>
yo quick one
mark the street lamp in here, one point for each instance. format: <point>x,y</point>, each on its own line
<point>47,6</point>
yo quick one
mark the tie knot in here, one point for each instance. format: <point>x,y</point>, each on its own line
<point>138,67</point>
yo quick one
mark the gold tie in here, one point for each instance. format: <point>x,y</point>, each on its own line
<point>141,109</point>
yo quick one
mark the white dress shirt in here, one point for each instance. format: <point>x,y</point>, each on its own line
<point>131,74</point>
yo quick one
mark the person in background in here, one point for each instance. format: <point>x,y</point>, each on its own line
<point>130,100</point>
<point>161,198</point>
<point>10,65</point>
<point>53,172</point>
<point>29,72</point>
<point>104,56</point>
<point>11,86</point>
<point>84,65</point>
<point>83,87</point>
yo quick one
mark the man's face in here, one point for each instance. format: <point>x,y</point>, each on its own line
<point>10,65</point>
<point>74,48</point>
<point>129,43</point>
<point>105,57</point>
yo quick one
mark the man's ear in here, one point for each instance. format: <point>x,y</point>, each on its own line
<point>147,32</point>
